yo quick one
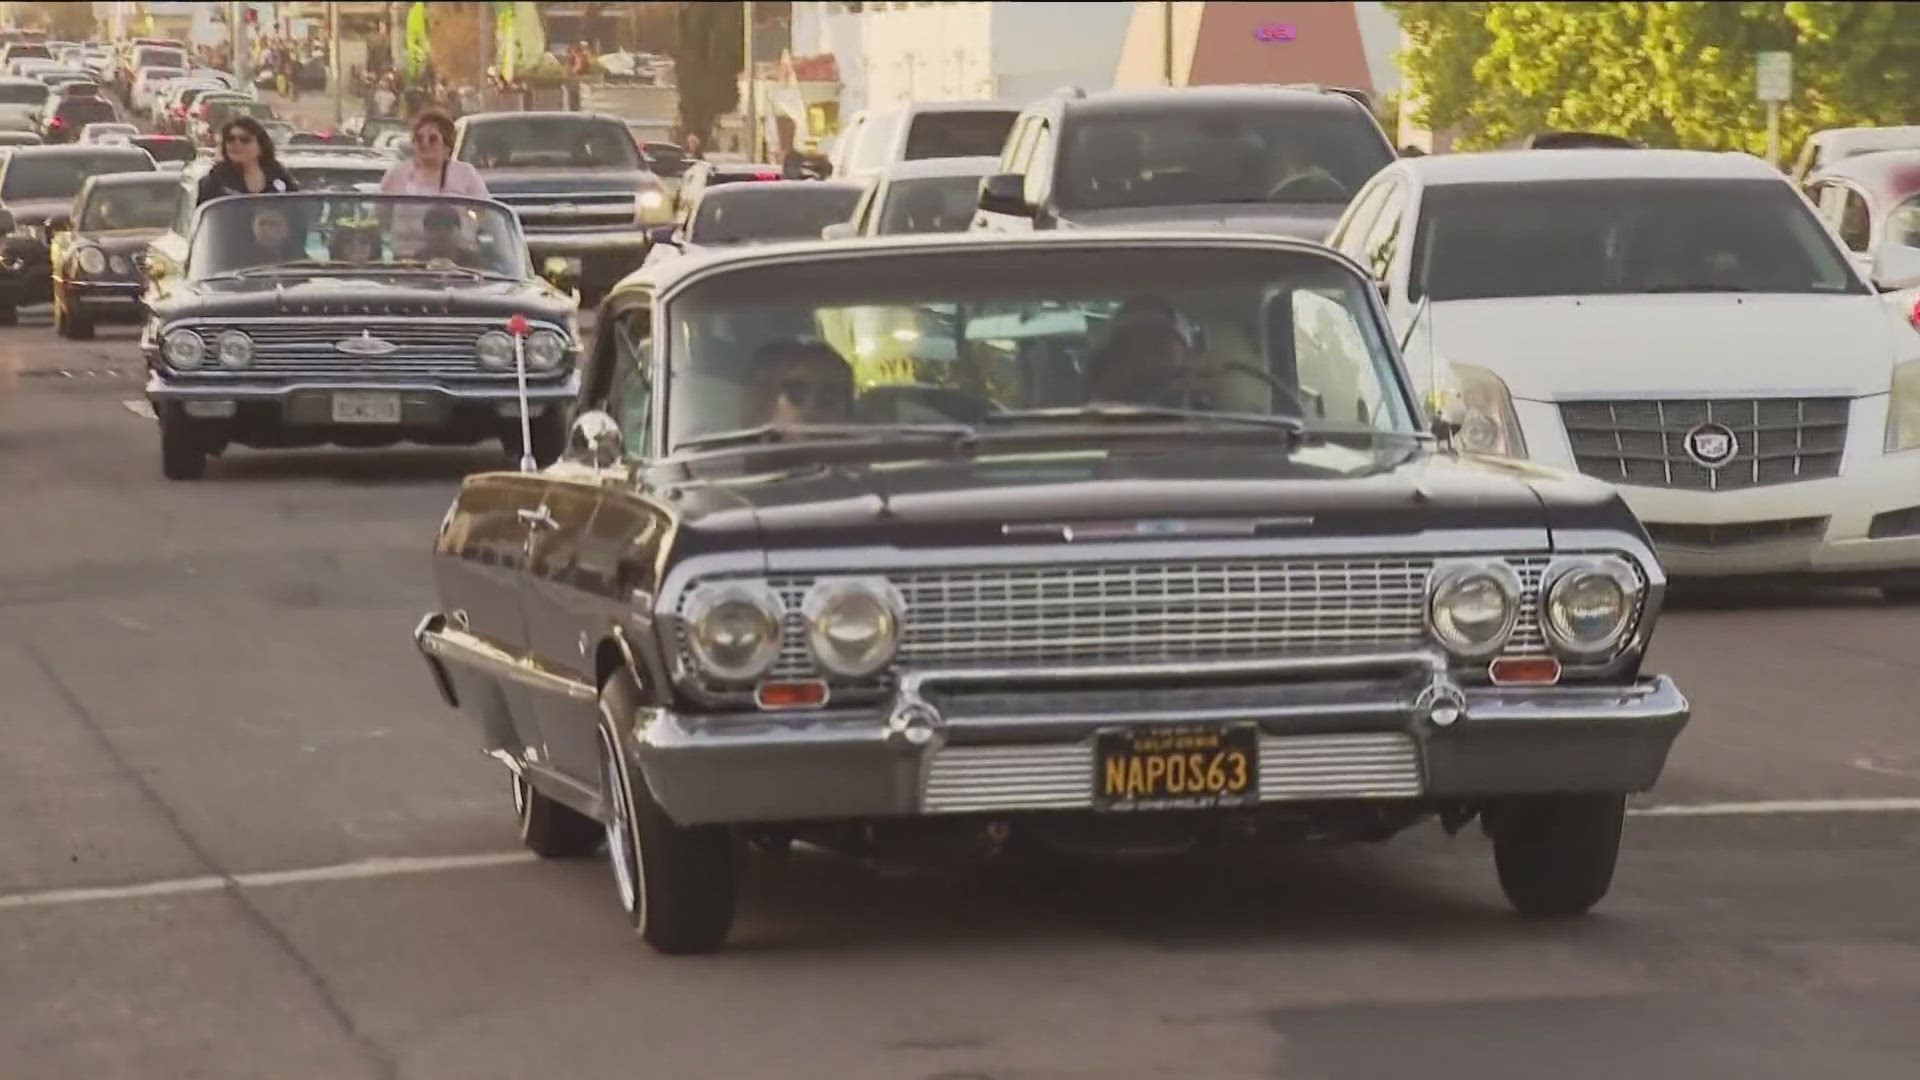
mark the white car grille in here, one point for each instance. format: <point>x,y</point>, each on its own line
<point>1645,443</point>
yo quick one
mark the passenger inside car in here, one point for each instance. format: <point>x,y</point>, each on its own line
<point>799,382</point>
<point>273,239</point>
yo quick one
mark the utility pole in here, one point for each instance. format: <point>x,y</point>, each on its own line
<point>1166,41</point>
<point>237,30</point>
<point>333,65</point>
<point>750,86</point>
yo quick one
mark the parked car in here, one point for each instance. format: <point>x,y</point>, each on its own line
<point>1825,148</point>
<point>95,259</point>
<point>755,605</point>
<point>37,188</point>
<point>1647,318</point>
<point>932,195</point>
<point>1237,158</point>
<point>352,319</point>
<point>578,182</point>
<point>737,215</point>
<point>876,138</point>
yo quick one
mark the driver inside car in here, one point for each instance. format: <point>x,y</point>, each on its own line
<point>1151,358</point>
<point>799,382</point>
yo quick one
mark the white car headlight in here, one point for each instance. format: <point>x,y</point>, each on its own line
<point>545,350</point>
<point>1587,604</point>
<point>1472,606</point>
<point>91,260</point>
<point>733,629</point>
<point>1488,424</point>
<point>652,199</point>
<point>495,349</point>
<point>1903,408</point>
<point>184,349</point>
<point>234,349</point>
<point>853,624</point>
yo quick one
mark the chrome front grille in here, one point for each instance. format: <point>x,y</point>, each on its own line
<point>427,349</point>
<point>568,212</point>
<point>977,779</point>
<point>1154,612</point>
<point>1645,443</point>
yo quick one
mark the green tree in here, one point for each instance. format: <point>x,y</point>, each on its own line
<point>707,54</point>
<point>64,22</point>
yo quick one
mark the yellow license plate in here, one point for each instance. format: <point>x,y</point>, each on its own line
<point>1177,767</point>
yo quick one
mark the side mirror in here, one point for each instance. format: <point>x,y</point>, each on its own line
<point>6,222</point>
<point>660,234</point>
<point>1895,266</point>
<point>561,274</point>
<point>839,230</point>
<point>1005,193</point>
<point>596,441</point>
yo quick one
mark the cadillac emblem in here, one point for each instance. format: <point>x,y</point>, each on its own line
<point>1712,445</point>
<point>366,346</point>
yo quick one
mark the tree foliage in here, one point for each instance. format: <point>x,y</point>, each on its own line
<point>1667,74</point>
<point>708,49</point>
<point>63,22</point>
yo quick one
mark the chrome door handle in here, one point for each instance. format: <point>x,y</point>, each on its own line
<point>541,518</point>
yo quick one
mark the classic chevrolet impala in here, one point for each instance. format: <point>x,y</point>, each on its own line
<point>1071,538</point>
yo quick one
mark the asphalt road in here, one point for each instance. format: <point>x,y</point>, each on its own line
<point>243,838</point>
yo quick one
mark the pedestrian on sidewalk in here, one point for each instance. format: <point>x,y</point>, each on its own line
<point>247,164</point>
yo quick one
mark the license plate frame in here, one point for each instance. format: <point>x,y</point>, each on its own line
<point>366,407</point>
<point>1226,756</point>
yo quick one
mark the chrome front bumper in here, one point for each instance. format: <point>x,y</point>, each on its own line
<point>973,741</point>
<point>160,389</point>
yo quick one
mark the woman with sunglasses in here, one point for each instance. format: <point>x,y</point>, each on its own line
<point>247,164</point>
<point>433,170</point>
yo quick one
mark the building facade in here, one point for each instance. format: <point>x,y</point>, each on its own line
<point>1204,44</point>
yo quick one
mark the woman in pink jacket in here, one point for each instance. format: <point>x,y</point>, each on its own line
<point>431,172</point>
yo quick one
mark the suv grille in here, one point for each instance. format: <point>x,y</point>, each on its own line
<point>573,212</point>
<point>1645,443</point>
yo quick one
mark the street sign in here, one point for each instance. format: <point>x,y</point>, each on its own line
<point>1773,76</point>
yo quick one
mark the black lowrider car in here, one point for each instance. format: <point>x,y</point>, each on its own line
<point>37,187</point>
<point>96,255</point>
<point>1070,540</point>
<point>356,320</point>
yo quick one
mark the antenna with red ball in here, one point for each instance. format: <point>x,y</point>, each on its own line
<point>517,326</point>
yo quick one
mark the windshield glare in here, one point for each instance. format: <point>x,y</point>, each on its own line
<point>1243,155</point>
<point>789,210</point>
<point>59,175</point>
<point>930,205</point>
<point>1620,236</point>
<point>549,143</point>
<point>394,233</point>
<point>131,206</point>
<point>954,337</point>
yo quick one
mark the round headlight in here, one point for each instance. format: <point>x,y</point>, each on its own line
<point>733,629</point>
<point>92,260</point>
<point>1587,605</point>
<point>119,264</point>
<point>853,624</point>
<point>234,349</point>
<point>184,349</point>
<point>495,349</point>
<point>1472,607</point>
<point>545,350</point>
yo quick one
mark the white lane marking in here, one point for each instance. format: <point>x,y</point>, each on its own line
<point>1783,806</point>
<point>141,409</point>
<point>353,871</point>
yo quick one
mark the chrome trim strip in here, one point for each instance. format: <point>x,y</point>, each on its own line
<point>912,683</point>
<point>459,647</point>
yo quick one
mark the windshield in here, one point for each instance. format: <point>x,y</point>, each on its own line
<point>172,61</point>
<point>131,206</point>
<point>340,232</point>
<point>1240,155</point>
<point>161,74</point>
<point>934,204</point>
<point>548,142</point>
<point>24,52</point>
<point>954,337</point>
<point>792,210</point>
<point>78,111</point>
<point>225,109</point>
<point>22,93</point>
<point>59,175</point>
<point>1584,238</point>
<point>958,134</point>
<point>164,148</point>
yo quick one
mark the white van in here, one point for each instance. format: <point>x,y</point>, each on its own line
<point>877,138</point>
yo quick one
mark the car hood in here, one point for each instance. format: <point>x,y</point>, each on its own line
<point>564,181</point>
<point>1309,221</point>
<point>1682,345</point>
<point>371,295</point>
<point>1318,490</point>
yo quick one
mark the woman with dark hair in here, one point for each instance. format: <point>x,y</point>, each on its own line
<point>247,164</point>
<point>432,171</point>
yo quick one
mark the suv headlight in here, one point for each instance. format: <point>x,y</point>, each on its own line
<point>733,629</point>
<point>1488,424</point>
<point>647,201</point>
<point>545,350</point>
<point>1587,604</point>
<point>184,349</point>
<point>91,260</point>
<point>1903,408</point>
<point>853,624</point>
<point>1472,606</point>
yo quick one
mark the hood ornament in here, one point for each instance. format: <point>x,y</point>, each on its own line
<point>366,345</point>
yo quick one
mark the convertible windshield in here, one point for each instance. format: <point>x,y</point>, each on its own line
<point>341,232</point>
<point>132,206</point>
<point>1587,238</point>
<point>1178,335</point>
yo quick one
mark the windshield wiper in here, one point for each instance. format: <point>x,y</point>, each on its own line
<point>292,264</point>
<point>771,434</point>
<point>1292,426</point>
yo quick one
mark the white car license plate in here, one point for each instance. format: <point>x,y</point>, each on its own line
<point>366,408</point>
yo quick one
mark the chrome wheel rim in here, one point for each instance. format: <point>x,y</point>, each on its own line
<point>620,835</point>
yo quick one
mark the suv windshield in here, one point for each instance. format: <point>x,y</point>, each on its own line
<point>930,204</point>
<point>547,142</point>
<point>788,210</point>
<point>59,175</point>
<point>152,56</point>
<point>1584,238</point>
<point>1243,154</point>
<point>77,112</point>
<point>972,133</point>
<point>956,337</point>
<point>131,206</point>
<point>303,233</point>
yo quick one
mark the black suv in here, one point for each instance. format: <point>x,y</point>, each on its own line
<point>1266,159</point>
<point>74,112</point>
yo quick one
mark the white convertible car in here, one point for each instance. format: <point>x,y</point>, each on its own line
<point>1678,323</point>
